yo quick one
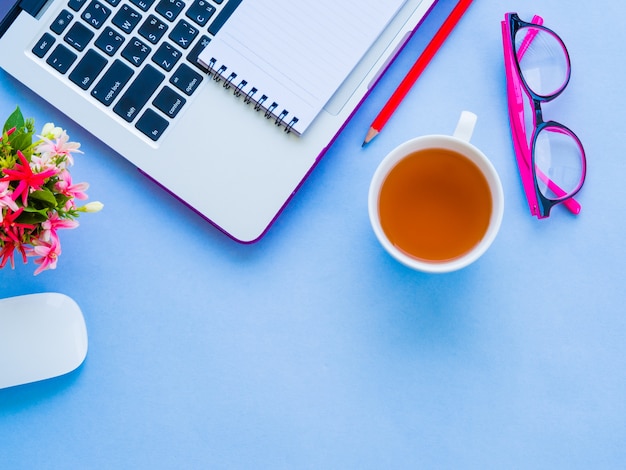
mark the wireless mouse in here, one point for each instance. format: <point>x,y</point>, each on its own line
<point>41,336</point>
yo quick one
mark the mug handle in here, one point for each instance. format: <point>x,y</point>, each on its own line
<point>465,126</point>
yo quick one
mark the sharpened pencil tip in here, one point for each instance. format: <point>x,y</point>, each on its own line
<point>371,133</point>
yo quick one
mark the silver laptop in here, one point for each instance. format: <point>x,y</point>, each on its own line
<point>238,170</point>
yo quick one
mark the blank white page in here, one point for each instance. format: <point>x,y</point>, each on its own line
<point>294,52</point>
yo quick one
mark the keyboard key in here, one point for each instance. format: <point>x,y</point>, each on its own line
<point>151,124</point>
<point>166,56</point>
<point>79,36</point>
<point>169,102</point>
<point>170,9</point>
<point>126,19</point>
<point>223,15</point>
<point>76,5</point>
<point>153,29</point>
<point>136,52</point>
<point>111,84</point>
<point>109,41</point>
<point>195,53</point>
<point>88,69</point>
<point>144,5</point>
<point>61,59</point>
<point>186,79</point>
<point>96,14</point>
<point>61,22</point>
<point>138,93</point>
<point>43,45</point>
<point>183,34</point>
<point>114,2</point>
<point>201,12</point>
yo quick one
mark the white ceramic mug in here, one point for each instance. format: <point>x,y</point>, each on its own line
<point>458,142</point>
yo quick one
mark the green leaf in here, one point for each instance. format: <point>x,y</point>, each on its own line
<point>45,197</point>
<point>22,141</point>
<point>16,119</point>
<point>22,138</point>
<point>61,199</point>
<point>32,217</point>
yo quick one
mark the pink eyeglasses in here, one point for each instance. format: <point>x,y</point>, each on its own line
<point>550,157</point>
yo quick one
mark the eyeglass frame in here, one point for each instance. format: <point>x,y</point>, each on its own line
<point>540,205</point>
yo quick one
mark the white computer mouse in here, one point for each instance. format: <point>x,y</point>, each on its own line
<point>41,336</point>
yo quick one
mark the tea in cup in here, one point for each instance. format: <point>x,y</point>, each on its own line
<point>436,202</point>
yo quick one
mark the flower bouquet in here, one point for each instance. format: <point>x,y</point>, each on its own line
<point>37,196</point>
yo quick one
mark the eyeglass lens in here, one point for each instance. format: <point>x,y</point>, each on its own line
<point>542,59</point>
<point>558,154</point>
<point>558,162</point>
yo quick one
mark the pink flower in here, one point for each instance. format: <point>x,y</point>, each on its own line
<point>58,147</point>
<point>48,255</point>
<point>41,163</point>
<point>5,198</point>
<point>11,235</point>
<point>65,186</point>
<point>53,224</point>
<point>12,230</point>
<point>7,253</point>
<point>27,179</point>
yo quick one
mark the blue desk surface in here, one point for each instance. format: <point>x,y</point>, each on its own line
<point>313,348</point>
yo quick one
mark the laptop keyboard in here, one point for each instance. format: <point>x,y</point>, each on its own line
<point>137,57</point>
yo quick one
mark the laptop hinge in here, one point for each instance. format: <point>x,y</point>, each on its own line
<point>12,8</point>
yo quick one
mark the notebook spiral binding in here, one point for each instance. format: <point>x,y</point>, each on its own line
<point>253,95</point>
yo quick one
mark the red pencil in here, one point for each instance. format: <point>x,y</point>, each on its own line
<point>417,69</point>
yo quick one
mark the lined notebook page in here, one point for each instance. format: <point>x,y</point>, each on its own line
<point>296,53</point>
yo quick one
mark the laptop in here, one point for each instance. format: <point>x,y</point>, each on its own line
<point>89,59</point>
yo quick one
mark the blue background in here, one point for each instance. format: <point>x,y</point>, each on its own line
<point>315,349</point>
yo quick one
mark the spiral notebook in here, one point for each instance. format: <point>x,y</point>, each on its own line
<point>290,57</point>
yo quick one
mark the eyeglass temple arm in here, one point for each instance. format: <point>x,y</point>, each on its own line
<point>516,116</point>
<point>571,204</point>
<point>530,36</point>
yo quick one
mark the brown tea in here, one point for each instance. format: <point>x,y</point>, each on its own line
<point>435,205</point>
